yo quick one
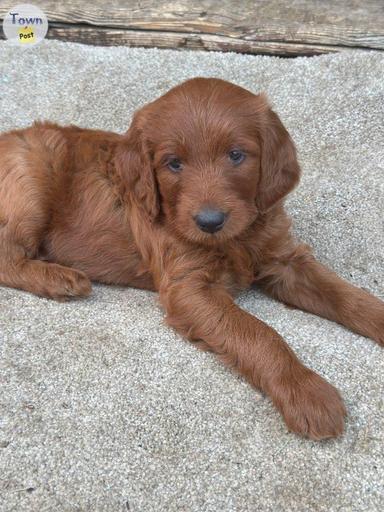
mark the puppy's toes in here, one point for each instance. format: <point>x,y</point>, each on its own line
<point>64,283</point>
<point>313,408</point>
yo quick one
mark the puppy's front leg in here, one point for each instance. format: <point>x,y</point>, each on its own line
<point>204,310</point>
<point>296,278</point>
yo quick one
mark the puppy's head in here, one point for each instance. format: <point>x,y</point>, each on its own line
<point>206,159</point>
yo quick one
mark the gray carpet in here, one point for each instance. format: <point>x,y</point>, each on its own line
<point>103,408</point>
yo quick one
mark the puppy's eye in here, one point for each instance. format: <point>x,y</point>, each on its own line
<point>175,165</point>
<point>236,156</point>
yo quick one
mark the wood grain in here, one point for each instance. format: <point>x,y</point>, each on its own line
<point>295,27</point>
<point>158,39</point>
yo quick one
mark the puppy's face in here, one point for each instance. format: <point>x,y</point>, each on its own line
<point>206,143</point>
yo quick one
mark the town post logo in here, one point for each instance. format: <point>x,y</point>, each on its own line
<point>25,25</point>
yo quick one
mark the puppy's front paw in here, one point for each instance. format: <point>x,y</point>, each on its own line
<point>379,324</point>
<point>311,406</point>
<point>368,318</point>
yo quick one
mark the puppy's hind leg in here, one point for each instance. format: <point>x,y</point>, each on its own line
<point>29,177</point>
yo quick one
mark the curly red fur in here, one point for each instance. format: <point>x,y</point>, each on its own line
<point>78,205</point>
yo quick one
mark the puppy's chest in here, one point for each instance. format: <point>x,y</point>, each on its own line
<point>236,268</point>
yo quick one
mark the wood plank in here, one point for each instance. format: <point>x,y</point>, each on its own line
<point>258,23</point>
<point>173,40</point>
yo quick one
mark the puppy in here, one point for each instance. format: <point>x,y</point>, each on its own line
<point>189,202</point>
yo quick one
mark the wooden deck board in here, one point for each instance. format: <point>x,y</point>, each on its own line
<point>295,27</point>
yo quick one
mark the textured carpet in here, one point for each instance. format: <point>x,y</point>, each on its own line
<point>103,408</point>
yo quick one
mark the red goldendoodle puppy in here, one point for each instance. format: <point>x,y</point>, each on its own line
<point>188,202</point>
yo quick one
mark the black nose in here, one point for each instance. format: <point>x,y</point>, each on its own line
<point>210,220</point>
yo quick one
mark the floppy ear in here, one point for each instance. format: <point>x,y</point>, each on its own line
<point>280,171</point>
<point>134,165</point>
